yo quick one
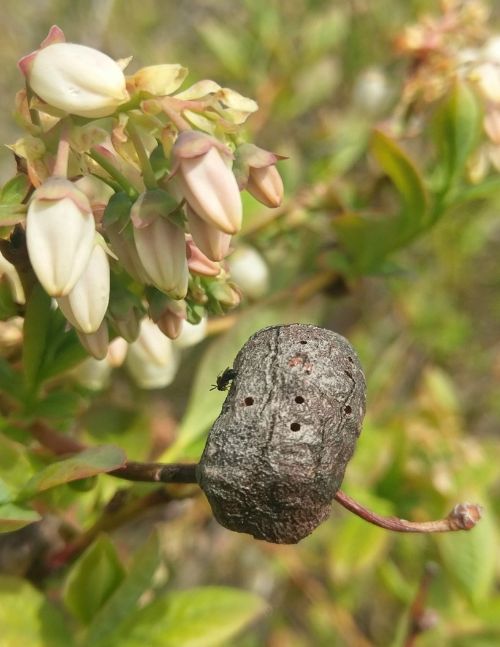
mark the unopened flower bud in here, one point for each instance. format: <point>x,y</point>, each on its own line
<point>249,270</point>
<point>77,79</point>
<point>198,263</point>
<point>160,244</point>
<point>117,351</point>
<point>191,334</point>
<point>171,319</point>
<point>206,181</point>
<point>487,78</point>
<point>125,318</point>
<point>96,343</point>
<point>60,233</point>
<point>226,293</point>
<point>256,172</point>
<point>491,125</point>
<point>211,241</point>
<point>151,359</point>
<point>93,374</point>
<point>371,91</point>
<point>159,80</point>
<point>85,306</point>
<point>9,271</point>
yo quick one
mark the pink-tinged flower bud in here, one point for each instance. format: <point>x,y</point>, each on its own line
<point>85,306</point>
<point>96,343</point>
<point>9,271</point>
<point>211,241</point>
<point>151,359</point>
<point>249,270</point>
<point>198,263</point>
<point>117,351</point>
<point>256,172</point>
<point>206,181</point>
<point>77,79</point>
<point>60,233</point>
<point>266,185</point>
<point>168,315</point>
<point>160,244</point>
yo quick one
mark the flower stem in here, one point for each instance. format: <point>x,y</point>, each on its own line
<point>147,170</point>
<point>173,114</point>
<point>130,190</point>
<point>63,148</point>
<point>464,516</point>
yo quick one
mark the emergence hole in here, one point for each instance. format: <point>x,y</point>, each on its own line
<point>350,359</point>
<point>299,399</point>
<point>295,426</point>
<point>249,401</point>
<point>348,409</point>
<point>302,341</point>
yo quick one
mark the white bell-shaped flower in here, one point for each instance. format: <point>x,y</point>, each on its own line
<point>60,232</point>
<point>85,306</point>
<point>77,79</point>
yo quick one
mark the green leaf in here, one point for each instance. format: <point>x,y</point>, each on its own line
<point>58,405</point>
<point>95,460</point>
<point>11,383</point>
<point>368,239</point>
<point>202,617</point>
<point>204,405</point>
<point>36,329</point>
<point>8,307</point>
<point>15,190</point>
<point>28,619</point>
<point>456,130</point>
<point>13,517</point>
<point>15,467</point>
<point>93,579</point>
<point>124,601</point>
<point>12,214</point>
<point>67,353</point>
<point>470,557</point>
<point>404,174</point>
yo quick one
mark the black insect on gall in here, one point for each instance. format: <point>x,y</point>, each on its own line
<point>277,453</point>
<point>223,380</point>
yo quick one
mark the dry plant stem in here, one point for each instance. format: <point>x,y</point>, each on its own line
<point>464,516</point>
<point>157,472</point>
<point>421,617</point>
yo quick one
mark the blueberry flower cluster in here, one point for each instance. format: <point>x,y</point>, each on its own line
<point>134,191</point>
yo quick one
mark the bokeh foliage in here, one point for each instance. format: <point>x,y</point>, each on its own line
<point>381,240</point>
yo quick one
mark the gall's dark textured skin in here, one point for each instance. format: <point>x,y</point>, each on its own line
<point>276,455</point>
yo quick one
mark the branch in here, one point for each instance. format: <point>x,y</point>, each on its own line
<point>464,516</point>
<point>157,472</point>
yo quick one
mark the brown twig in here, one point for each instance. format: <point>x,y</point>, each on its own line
<point>421,617</point>
<point>464,516</point>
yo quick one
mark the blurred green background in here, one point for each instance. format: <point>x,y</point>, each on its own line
<point>427,332</point>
